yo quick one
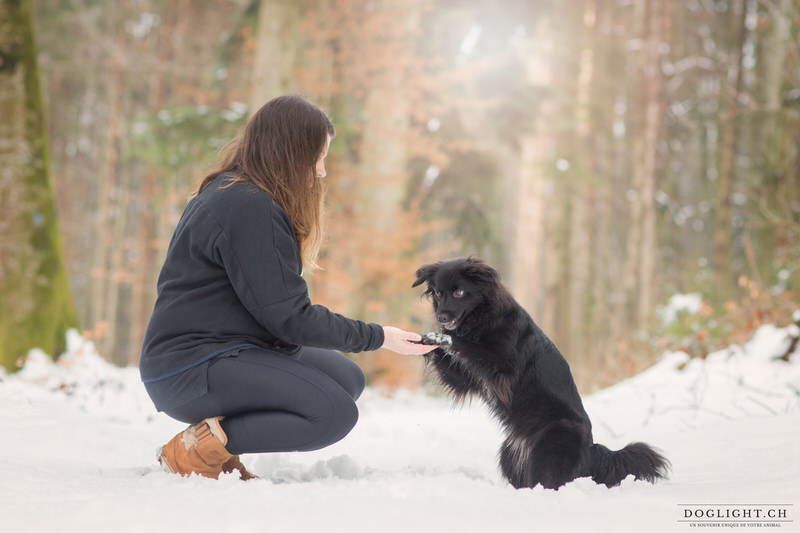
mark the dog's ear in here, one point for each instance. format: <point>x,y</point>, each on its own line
<point>425,273</point>
<point>480,272</point>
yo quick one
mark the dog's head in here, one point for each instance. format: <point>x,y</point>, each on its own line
<point>457,288</point>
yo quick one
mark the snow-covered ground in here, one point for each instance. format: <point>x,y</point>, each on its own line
<point>78,440</point>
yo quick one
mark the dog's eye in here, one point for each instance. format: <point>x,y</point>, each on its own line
<point>438,294</point>
<point>458,293</point>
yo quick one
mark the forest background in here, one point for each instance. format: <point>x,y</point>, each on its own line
<point>602,155</point>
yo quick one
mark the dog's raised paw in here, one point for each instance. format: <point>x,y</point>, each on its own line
<point>437,339</point>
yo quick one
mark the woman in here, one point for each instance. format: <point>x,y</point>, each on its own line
<point>234,346</point>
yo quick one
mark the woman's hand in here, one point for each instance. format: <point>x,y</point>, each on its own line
<point>398,340</point>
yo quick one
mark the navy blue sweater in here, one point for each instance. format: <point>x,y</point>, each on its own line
<point>232,277</point>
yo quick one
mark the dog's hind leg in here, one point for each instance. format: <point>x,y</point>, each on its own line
<point>559,456</point>
<point>514,457</point>
<point>554,459</point>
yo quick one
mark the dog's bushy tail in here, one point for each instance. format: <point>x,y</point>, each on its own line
<point>610,468</point>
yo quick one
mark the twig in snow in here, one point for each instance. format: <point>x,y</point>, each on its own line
<point>792,346</point>
<point>794,339</point>
<point>762,404</point>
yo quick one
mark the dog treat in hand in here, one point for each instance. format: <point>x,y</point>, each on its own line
<point>438,339</point>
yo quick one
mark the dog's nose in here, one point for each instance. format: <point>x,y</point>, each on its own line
<point>442,318</point>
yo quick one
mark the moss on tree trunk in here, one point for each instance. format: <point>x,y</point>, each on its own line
<point>36,305</point>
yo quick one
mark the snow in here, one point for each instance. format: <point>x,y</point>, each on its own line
<point>680,303</point>
<point>79,438</point>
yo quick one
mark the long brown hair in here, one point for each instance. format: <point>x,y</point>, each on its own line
<point>277,151</point>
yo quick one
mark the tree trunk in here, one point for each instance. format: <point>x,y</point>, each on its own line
<point>730,130</point>
<point>36,307</point>
<point>654,111</point>
<point>642,246</point>
<point>114,224</point>
<point>530,194</point>
<point>581,195</point>
<point>275,55</point>
<point>773,148</point>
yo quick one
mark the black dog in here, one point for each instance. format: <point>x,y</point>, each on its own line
<point>491,347</point>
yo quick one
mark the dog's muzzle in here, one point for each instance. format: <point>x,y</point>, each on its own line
<point>445,321</point>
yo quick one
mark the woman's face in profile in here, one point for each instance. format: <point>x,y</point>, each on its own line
<point>319,168</point>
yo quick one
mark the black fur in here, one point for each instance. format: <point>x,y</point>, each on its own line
<point>498,353</point>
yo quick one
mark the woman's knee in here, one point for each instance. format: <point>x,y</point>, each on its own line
<point>336,421</point>
<point>356,382</point>
<point>348,418</point>
<point>339,367</point>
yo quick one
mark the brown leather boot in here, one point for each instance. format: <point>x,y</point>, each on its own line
<point>199,449</point>
<point>234,463</point>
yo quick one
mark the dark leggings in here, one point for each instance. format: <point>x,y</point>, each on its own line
<point>276,403</point>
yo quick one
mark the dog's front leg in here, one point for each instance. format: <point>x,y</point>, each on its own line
<point>489,361</point>
<point>452,375</point>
